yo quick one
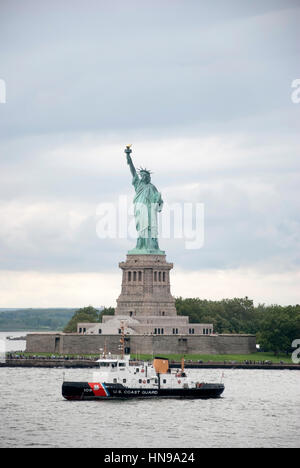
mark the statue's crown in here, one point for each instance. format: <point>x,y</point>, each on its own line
<point>142,170</point>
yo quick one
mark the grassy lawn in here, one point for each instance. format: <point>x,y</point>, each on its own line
<point>188,357</point>
<point>221,357</point>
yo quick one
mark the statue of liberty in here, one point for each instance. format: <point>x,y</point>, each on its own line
<point>147,203</point>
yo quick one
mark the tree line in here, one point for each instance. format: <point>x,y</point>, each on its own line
<point>275,326</point>
<point>34,319</point>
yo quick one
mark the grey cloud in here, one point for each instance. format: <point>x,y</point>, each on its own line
<point>103,68</point>
<point>122,71</point>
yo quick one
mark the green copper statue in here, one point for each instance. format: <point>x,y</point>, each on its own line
<point>147,203</point>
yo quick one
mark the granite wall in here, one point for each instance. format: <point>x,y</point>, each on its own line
<point>72,343</point>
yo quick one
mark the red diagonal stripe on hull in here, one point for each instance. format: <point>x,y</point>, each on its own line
<point>97,392</point>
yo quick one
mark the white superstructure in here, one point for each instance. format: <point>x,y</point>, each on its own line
<point>140,375</point>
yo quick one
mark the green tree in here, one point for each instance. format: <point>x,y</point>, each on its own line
<point>279,326</point>
<point>86,314</point>
<point>106,311</point>
<point>228,315</point>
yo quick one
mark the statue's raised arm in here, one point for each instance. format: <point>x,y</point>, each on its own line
<point>128,151</point>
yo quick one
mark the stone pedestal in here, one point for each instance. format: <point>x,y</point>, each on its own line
<point>146,305</point>
<point>146,287</point>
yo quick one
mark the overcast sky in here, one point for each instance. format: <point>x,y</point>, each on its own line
<point>203,92</point>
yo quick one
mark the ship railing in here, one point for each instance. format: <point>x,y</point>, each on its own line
<point>115,357</point>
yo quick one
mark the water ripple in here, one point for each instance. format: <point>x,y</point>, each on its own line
<point>260,408</point>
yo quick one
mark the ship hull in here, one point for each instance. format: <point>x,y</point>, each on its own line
<point>101,391</point>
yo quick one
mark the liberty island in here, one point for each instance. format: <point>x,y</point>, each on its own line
<point>145,306</point>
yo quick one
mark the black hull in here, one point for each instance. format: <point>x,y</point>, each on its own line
<point>87,391</point>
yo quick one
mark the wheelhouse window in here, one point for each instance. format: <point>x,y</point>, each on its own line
<point>104,364</point>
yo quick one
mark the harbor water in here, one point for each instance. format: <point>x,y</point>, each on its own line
<point>259,408</point>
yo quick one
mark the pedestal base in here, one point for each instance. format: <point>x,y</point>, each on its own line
<point>146,286</point>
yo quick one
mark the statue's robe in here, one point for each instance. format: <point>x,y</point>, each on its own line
<point>147,203</point>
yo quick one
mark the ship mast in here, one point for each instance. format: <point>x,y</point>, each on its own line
<point>122,340</point>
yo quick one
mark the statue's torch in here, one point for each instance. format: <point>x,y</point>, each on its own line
<point>128,150</point>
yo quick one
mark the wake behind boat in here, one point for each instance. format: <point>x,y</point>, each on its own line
<point>119,378</point>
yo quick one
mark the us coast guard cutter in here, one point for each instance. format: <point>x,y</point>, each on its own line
<point>119,378</point>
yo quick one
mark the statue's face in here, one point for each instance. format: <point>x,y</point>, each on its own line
<point>145,177</point>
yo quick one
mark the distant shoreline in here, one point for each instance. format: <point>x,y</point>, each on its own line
<point>16,338</point>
